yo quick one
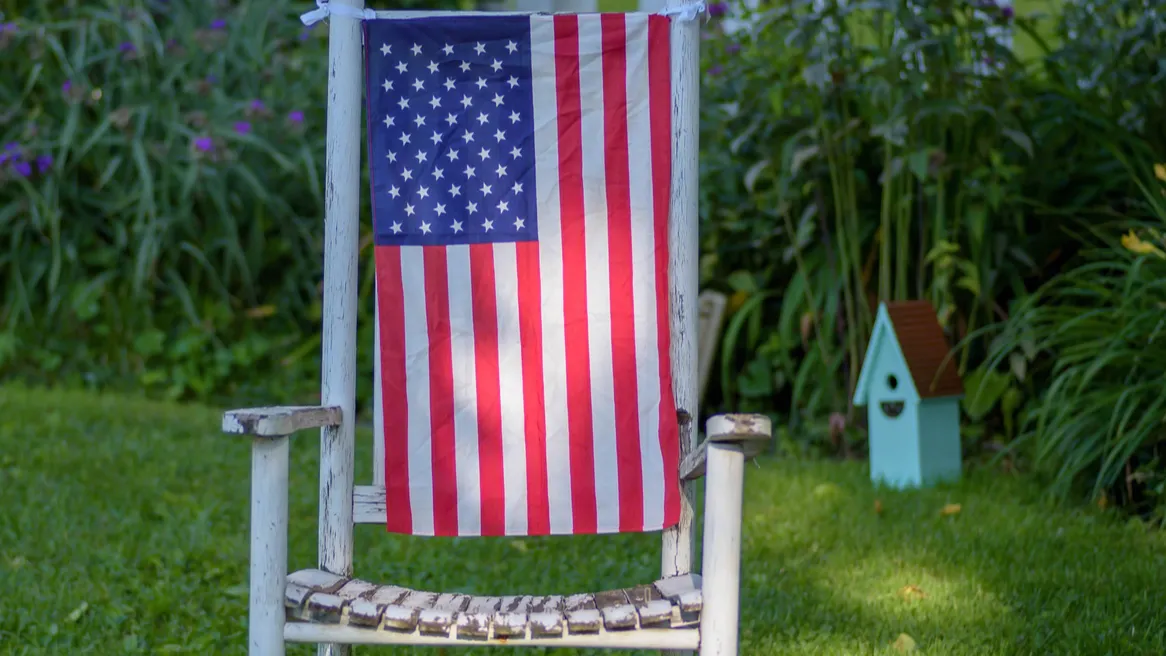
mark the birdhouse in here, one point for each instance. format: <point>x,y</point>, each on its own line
<point>911,391</point>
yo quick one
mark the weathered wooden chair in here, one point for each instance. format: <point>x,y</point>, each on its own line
<point>423,479</point>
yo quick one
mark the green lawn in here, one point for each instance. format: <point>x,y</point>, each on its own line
<point>124,530</point>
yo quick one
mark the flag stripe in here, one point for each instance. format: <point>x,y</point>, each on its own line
<point>620,264</point>
<point>643,270</point>
<point>419,423</point>
<point>441,390</point>
<point>511,460</point>
<point>574,292</point>
<point>464,392</point>
<point>485,341</point>
<point>538,521</point>
<point>394,396</point>
<point>660,92</point>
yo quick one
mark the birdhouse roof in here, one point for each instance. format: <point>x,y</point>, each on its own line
<point>915,326</point>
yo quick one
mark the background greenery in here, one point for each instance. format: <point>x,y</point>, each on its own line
<point>162,217</point>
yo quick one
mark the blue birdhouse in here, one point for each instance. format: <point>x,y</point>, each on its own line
<point>912,396</point>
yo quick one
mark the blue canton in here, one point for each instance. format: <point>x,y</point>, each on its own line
<point>451,130</point>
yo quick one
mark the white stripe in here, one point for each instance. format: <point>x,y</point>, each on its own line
<point>598,285</point>
<point>510,387</point>
<point>465,391</point>
<point>644,272</point>
<point>378,422</point>
<point>417,390</point>
<point>550,253</point>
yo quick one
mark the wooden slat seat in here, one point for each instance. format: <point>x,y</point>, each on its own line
<point>315,596</point>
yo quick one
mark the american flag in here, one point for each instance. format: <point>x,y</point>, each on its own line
<point>521,170</point>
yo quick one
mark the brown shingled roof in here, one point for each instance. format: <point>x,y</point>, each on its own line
<point>925,348</point>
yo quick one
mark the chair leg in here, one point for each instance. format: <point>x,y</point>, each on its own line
<point>269,464</point>
<point>721,560</point>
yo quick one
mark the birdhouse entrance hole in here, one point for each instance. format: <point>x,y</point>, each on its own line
<point>892,409</point>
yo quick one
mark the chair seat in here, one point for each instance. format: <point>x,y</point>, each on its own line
<point>316,596</point>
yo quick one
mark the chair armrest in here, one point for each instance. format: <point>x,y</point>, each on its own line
<point>751,431</point>
<point>279,421</point>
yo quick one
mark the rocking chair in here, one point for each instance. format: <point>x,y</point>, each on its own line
<point>536,367</point>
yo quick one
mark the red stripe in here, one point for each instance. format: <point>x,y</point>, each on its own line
<point>538,501</point>
<point>619,243</point>
<point>444,444</point>
<point>394,398</point>
<point>660,113</point>
<point>578,364</point>
<point>484,300</point>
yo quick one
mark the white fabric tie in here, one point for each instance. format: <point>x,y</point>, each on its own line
<point>686,12</point>
<point>324,9</point>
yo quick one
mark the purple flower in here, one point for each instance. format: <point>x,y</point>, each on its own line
<point>67,86</point>
<point>1007,12</point>
<point>257,105</point>
<point>218,24</point>
<point>44,163</point>
<point>242,127</point>
<point>717,9</point>
<point>126,46</point>
<point>732,48</point>
<point>295,116</point>
<point>716,70</point>
<point>23,168</point>
<point>204,144</point>
<point>7,28</point>
<point>211,79</point>
<point>305,34</point>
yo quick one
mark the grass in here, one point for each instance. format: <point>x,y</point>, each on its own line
<point>125,531</point>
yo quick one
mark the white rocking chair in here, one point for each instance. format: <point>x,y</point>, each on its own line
<point>327,605</point>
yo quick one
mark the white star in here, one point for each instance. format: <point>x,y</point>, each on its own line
<point>497,99</point>
<point>484,154</point>
<point>449,84</point>
<point>515,152</point>
<point>451,119</point>
<point>440,209</point>
<point>424,191</point>
<point>418,84</point>
<point>511,47</point>
<point>402,67</point>
<point>513,81</point>
<point>403,103</point>
<point>500,171</point>
<point>503,206</point>
<point>388,85</point>
<point>488,225</point>
<point>404,138</point>
<point>438,173</point>
<point>499,135</point>
<point>519,224</point>
<point>452,155</point>
<point>482,118</point>
<point>466,102</point>
<point>468,136</point>
<point>481,83</point>
<point>487,189</point>
<point>479,49</point>
<point>421,156</point>
<point>409,210</point>
<point>420,120</point>
<point>394,191</point>
<point>497,66</point>
<point>392,156</point>
<point>416,49</point>
<point>425,227</point>
<point>386,49</point>
<point>469,172</point>
<point>448,49</point>
<point>457,226</point>
<point>472,207</point>
<point>396,228</point>
<point>513,117</point>
<point>465,66</point>
<point>432,67</point>
<point>517,188</point>
<point>407,174</point>
<point>436,137</point>
<point>389,121</point>
<point>435,102</point>
<point>455,190</point>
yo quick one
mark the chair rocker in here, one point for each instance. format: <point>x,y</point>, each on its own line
<point>536,361</point>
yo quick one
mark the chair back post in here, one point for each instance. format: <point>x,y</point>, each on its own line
<point>341,249</point>
<point>683,260</point>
